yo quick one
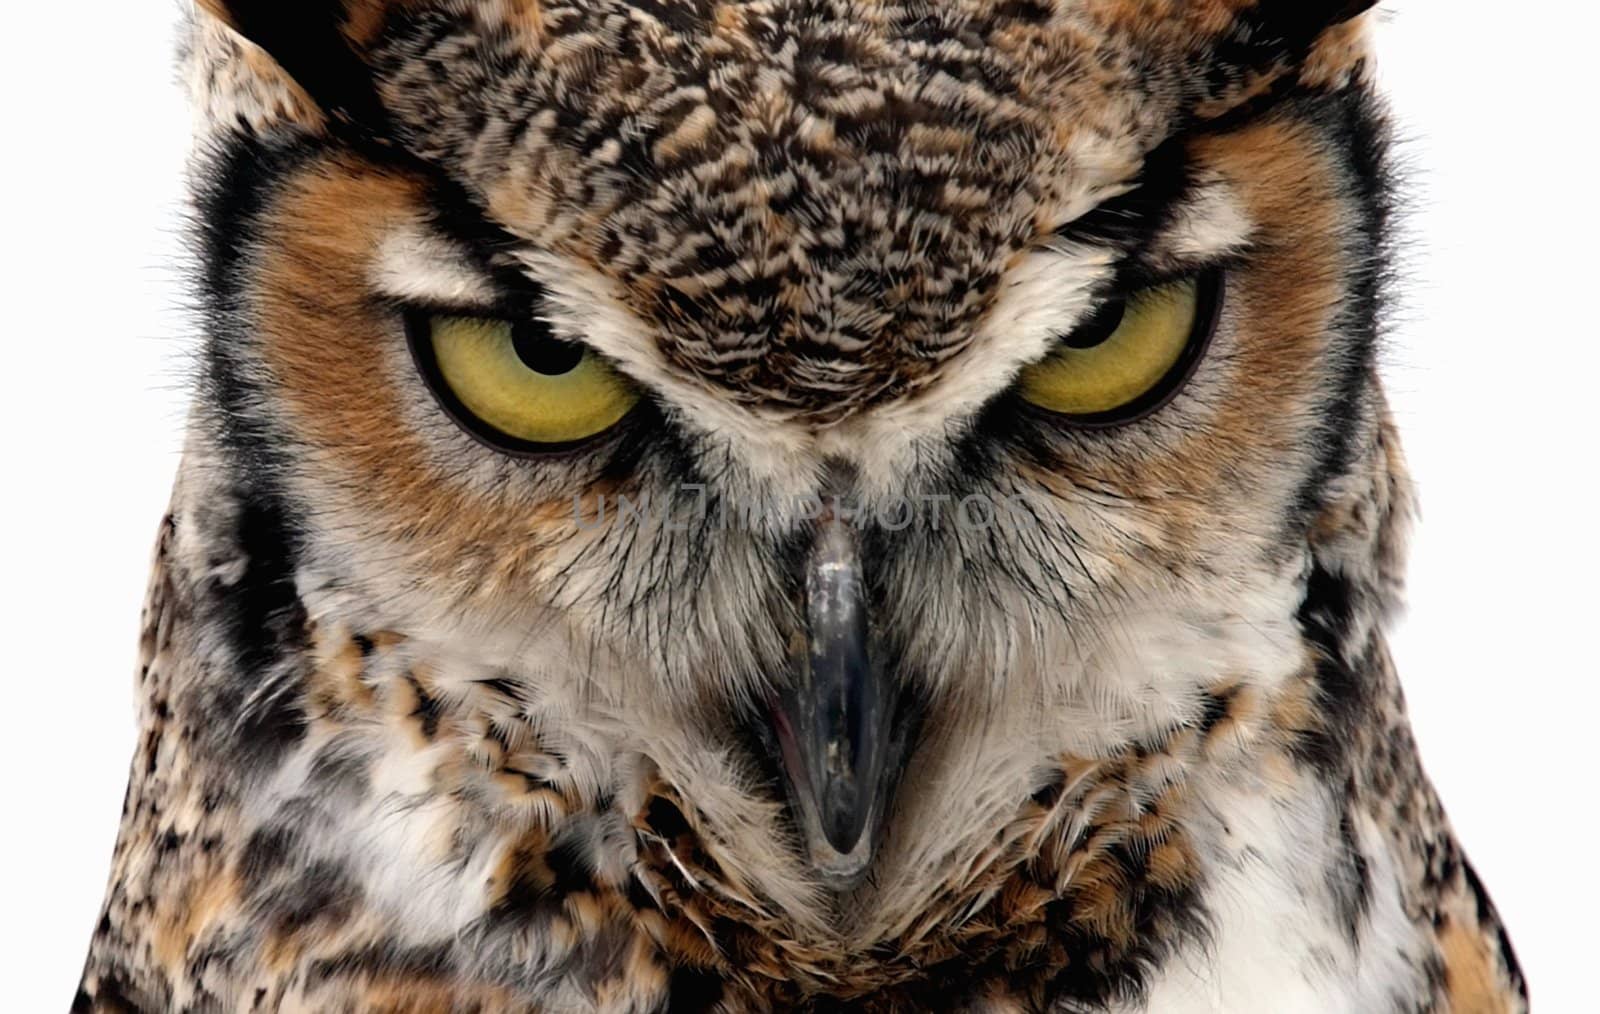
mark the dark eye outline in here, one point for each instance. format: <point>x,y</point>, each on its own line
<point>1211,291</point>
<point>419,339</point>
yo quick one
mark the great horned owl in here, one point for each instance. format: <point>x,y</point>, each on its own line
<point>756,505</point>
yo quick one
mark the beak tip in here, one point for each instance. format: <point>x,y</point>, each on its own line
<point>841,855</point>
<point>844,816</point>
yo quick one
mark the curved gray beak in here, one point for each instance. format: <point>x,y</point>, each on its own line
<point>833,723</point>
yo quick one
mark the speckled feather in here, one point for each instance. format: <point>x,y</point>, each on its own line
<point>412,740</point>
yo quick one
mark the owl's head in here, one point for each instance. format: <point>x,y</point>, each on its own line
<point>812,382</point>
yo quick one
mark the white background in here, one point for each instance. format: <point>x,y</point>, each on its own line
<point>1493,372</point>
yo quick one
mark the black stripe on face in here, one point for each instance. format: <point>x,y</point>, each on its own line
<point>231,195</point>
<point>261,620</point>
<point>1355,128</point>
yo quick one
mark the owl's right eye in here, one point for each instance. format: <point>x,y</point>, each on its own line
<point>515,384</point>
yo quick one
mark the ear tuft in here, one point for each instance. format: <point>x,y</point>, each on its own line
<point>1320,43</point>
<point>310,40</point>
<point>1352,9</point>
<point>1300,22</point>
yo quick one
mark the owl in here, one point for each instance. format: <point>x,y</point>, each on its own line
<point>786,505</point>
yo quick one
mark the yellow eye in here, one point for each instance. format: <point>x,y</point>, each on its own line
<point>516,384</point>
<point>1130,357</point>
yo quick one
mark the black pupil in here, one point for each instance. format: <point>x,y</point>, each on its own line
<point>1094,331</point>
<point>541,351</point>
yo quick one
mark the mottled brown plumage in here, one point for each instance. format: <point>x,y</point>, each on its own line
<point>418,737</point>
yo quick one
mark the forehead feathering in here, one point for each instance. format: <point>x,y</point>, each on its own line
<point>810,203</point>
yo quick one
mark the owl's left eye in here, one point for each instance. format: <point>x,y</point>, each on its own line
<point>515,384</point>
<point>1130,357</point>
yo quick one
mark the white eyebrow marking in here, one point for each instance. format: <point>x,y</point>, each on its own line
<point>1210,222</point>
<point>416,264</point>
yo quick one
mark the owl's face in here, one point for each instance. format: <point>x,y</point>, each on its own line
<point>589,341</point>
